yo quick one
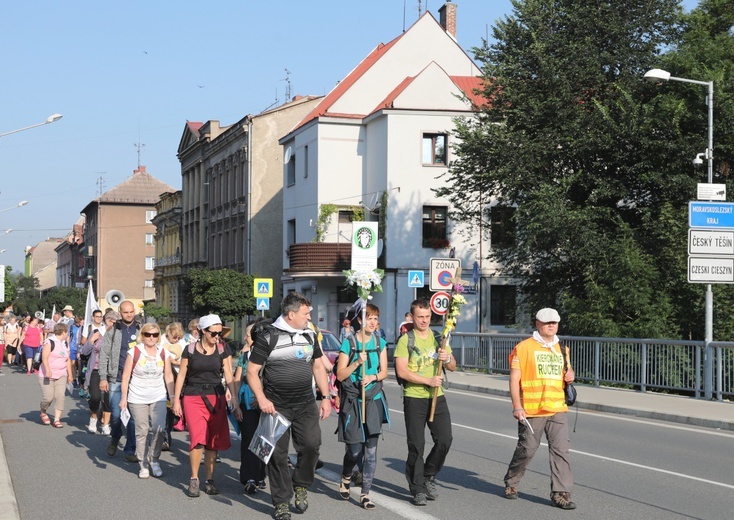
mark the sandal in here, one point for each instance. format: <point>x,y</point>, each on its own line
<point>45,418</point>
<point>58,424</point>
<point>366,503</point>
<point>344,487</point>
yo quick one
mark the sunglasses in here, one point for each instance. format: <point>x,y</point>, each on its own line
<point>215,333</point>
<point>151,334</point>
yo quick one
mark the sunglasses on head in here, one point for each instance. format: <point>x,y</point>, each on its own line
<point>215,333</point>
<point>151,334</point>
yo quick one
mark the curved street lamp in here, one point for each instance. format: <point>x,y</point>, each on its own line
<point>50,119</point>
<point>663,75</point>
<point>19,205</point>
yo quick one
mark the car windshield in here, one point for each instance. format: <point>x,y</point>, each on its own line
<point>330,342</point>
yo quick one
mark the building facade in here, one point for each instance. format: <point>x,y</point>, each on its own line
<point>375,149</point>
<point>167,280</point>
<point>119,238</point>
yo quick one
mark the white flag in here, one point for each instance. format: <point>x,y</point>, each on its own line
<point>90,307</point>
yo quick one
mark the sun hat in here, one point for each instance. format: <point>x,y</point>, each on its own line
<point>547,314</point>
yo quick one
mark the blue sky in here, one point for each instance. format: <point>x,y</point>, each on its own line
<point>132,73</point>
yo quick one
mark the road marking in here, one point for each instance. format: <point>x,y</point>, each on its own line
<point>602,457</point>
<point>615,417</point>
<point>402,508</point>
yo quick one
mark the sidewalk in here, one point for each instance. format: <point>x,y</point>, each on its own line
<point>684,410</point>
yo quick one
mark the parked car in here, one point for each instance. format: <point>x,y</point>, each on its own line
<point>331,345</point>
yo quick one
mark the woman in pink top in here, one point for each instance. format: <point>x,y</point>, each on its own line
<point>31,339</point>
<point>55,363</point>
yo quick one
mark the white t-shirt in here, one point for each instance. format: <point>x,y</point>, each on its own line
<point>86,333</point>
<point>147,384</point>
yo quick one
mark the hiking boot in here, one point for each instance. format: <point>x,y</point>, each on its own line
<point>301,501</point>
<point>112,447</point>
<point>131,457</point>
<point>193,490</point>
<point>511,492</point>
<point>250,487</point>
<point>357,478</point>
<point>420,499</point>
<point>562,500</point>
<point>210,488</point>
<point>282,512</point>
<point>430,485</point>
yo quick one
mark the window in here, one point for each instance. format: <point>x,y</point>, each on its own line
<point>149,216</point>
<point>502,304</point>
<point>502,226</point>
<point>290,171</point>
<point>291,232</point>
<point>434,149</point>
<point>305,161</point>
<point>148,283</point>
<point>434,227</point>
<point>149,239</point>
<point>149,262</point>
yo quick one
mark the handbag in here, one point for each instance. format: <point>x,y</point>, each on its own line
<point>569,390</point>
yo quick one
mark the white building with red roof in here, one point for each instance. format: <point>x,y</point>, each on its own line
<point>376,146</point>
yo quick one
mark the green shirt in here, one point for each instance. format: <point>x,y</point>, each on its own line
<point>421,362</point>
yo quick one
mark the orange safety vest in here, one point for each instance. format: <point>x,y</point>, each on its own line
<point>541,379</point>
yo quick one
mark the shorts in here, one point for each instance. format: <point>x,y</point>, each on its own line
<point>10,349</point>
<point>29,351</point>
<point>208,429</point>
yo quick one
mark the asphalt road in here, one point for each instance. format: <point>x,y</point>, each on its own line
<point>624,467</point>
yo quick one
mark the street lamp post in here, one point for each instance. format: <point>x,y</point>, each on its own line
<point>50,119</point>
<point>20,204</point>
<point>662,75</point>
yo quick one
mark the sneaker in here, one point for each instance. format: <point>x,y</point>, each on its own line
<point>106,429</point>
<point>155,470</point>
<point>112,447</point>
<point>165,446</point>
<point>357,478</point>
<point>193,490</point>
<point>319,464</point>
<point>282,512</point>
<point>210,488</point>
<point>262,485</point>
<point>81,392</point>
<point>131,457</point>
<point>431,491</point>
<point>92,426</point>
<point>511,492</point>
<point>250,487</point>
<point>420,499</point>
<point>562,500</point>
<point>301,501</point>
<point>143,473</point>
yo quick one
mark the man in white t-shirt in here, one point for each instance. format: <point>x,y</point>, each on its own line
<point>95,327</point>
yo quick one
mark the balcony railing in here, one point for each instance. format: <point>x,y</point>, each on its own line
<point>319,256</point>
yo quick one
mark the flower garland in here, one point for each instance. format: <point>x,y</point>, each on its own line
<point>365,281</point>
<point>457,300</point>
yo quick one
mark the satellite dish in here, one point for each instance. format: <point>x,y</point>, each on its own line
<point>373,203</point>
<point>287,155</point>
<point>380,245</point>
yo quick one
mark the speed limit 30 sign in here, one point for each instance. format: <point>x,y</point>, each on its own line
<point>440,302</point>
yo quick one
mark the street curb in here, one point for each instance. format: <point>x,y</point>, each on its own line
<point>620,410</point>
<point>8,504</point>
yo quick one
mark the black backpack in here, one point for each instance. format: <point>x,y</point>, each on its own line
<point>413,349</point>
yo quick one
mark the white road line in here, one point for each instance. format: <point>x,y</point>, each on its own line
<point>403,508</point>
<point>601,457</point>
<point>616,417</point>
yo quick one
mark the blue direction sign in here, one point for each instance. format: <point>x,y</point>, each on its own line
<point>416,279</point>
<point>263,304</point>
<point>711,214</point>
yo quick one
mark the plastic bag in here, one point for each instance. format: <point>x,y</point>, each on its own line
<point>269,430</point>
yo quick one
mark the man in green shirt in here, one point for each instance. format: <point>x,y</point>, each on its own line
<point>416,362</point>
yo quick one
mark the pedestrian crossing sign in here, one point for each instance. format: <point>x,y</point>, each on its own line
<point>263,288</point>
<point>416,279</point>
<point>263,304</point>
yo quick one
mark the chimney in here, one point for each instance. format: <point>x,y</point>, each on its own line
<point>141,169</point>
<point>447,14</point>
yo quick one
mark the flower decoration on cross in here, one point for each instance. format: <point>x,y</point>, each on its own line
<point>365,282</point>
<point>455,303</point>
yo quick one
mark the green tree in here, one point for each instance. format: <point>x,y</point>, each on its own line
<point>27,298</point>
<point>222,291</point>
<point>569,138</point>
<point>9,286</point>
<point>63,296</point>
<point>155,311</point>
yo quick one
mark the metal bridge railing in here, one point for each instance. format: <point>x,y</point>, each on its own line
<point>644,364</point>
